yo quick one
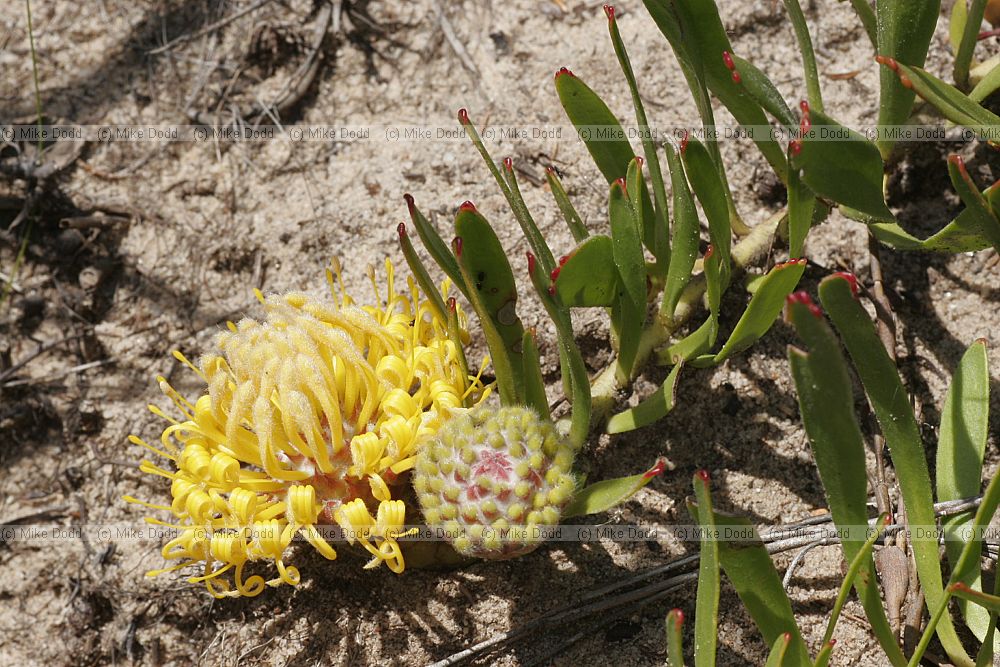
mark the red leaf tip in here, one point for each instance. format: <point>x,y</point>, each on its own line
<point>657,469</point>
<point>410,205</point>
<point>467,206</point>
<point>678,618</point>
<point>851,279</point>
<point>508,163</point>
<point>563,71</point>
<point>456,244</point>
<point>609,10</point>
<point>795,146</point>
<point>555,273</point>
<point>703,476</point>
<point>452,304</point>
<point>709,251</point>
<point>531,262</point>
<point>806,300</point>
<point>463,116</point>
<point>684,142</point>
<point>401,229</point>
<point>958,163</point>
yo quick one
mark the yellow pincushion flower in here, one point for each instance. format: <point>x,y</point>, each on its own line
<point>310,417</point>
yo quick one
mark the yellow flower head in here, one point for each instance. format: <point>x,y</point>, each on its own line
<point>310,417</point>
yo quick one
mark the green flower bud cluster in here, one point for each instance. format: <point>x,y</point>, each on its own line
<point>492,478</point>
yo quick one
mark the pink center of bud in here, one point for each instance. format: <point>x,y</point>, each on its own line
<point>493,464</point>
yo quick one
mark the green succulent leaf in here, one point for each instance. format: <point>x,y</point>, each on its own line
<point>963,234</point>
<point>823,657</point>
<point>895,416</point>
<point>861,567</point>
<point>708,187</point>
<point>702,339</point>
<point>486,261</point>
<point>948,100</point>
<point>840,164</point>
<point>606,494</point>
<point>967,563</point>
<point>748,566</point>
<point>493,294</point>
<point>653,408</point>
<point>801,207</point>
<point>698,38</point>
<point>684,250</point>
<point>697,343</point>
<point>987,85</point>
<point>597,126</point>
<point>652,232</point>
<point>435,245</point>
<point>959,464</point>
<point>534,383</point>
<point>626,324</point>
<point>588,276</point>
<point>798,21</point>
<point>956,25</point>
<point>864,11</point>
<point>626,244</point>
<point>984,600</point>
<point>779,648</point>
<point>764,92</point>
<point>654,221</point>
<point>826,402</point>
<point>905,29</point>
<point>520,209</point>
<point>970,35</point>
<point>455,334</point>
<point>507,182</point>
<point>675,638</point>
<point>706,617</point>
<point>574,370</point>
<point>423,278</point>
<point>762,311</point>
<point>573,219</point>
<point>983,217</point>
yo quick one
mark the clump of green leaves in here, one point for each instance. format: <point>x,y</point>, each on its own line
<point>643,267</point>
<point>826,402</point>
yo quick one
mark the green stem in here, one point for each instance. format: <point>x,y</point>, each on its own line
<point>798,20</point>
<point>603,389</point>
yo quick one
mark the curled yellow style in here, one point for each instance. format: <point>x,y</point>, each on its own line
<point>311,417</point>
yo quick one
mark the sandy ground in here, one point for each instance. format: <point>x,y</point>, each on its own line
<point>205,224</point>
